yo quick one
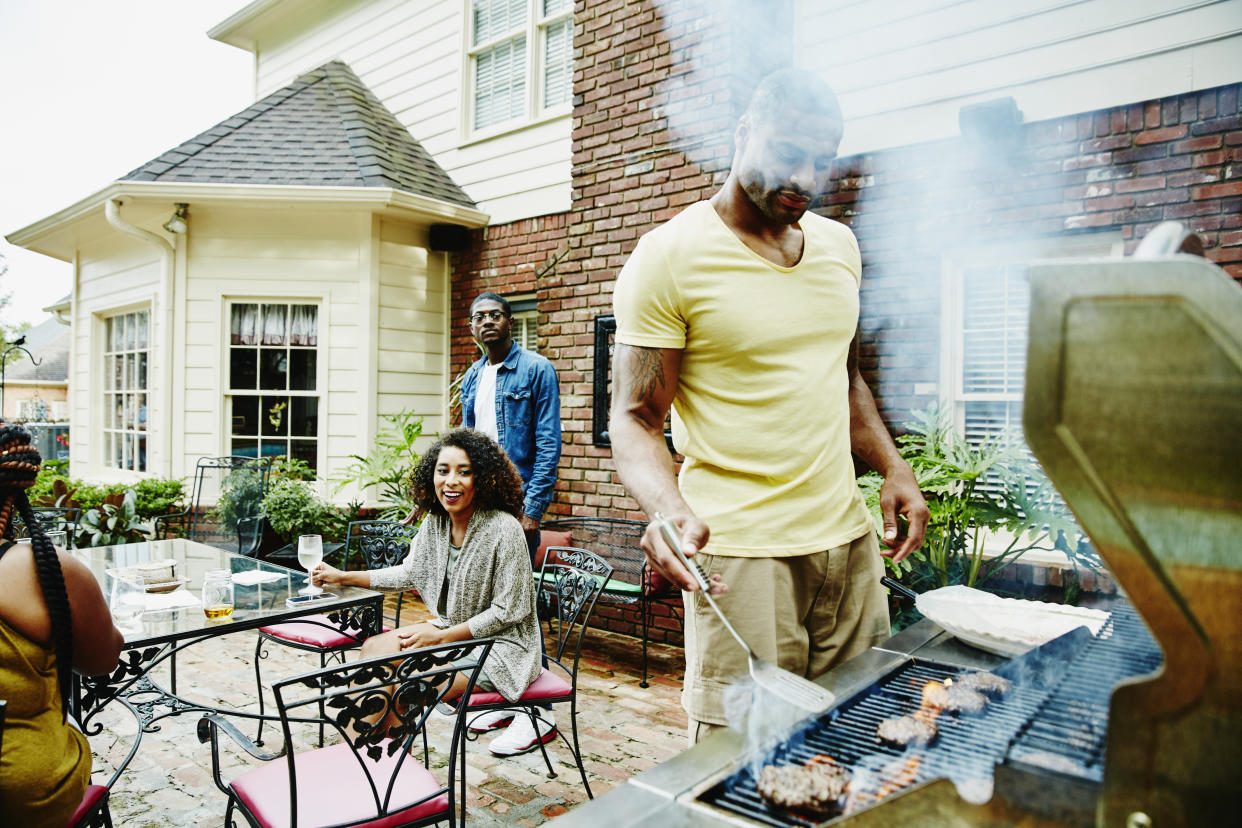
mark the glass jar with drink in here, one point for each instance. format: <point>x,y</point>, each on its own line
<point>218,594</point>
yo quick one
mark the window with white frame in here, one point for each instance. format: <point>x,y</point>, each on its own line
<point>126,359</point>
<point>986,331</point>
<point>520,59</point>
<point>272,395</point>
<point>525,322</point>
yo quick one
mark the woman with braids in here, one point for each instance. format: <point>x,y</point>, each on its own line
<point>53,619</point>
<point>470,565</point>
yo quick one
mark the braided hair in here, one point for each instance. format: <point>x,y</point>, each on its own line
<point>19,465</point>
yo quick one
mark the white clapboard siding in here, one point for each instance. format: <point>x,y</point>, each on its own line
<point>271,254</point>
<point>410,53</point>
<point>904,69</point>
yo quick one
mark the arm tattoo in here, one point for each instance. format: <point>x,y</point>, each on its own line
<point>646,372</point>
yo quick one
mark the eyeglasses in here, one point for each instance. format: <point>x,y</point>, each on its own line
<point>483,316</point>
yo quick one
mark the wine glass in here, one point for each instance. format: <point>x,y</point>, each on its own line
<point>310,553</point>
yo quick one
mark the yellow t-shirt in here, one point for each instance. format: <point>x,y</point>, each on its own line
<point>762,408</point>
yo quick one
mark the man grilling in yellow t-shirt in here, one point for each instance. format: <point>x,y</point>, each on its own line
<point>741,315</point>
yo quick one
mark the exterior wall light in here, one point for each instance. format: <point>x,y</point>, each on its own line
<point>176,224</point>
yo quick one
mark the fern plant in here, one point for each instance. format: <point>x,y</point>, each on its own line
<point>389,465</point>
<point>965,513</point>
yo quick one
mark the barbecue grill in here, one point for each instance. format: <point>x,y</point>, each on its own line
<point>1134,408</point>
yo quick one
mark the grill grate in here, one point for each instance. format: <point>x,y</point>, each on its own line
<point>965,750</point>
<point>1069,731</point>
<point>1056,715</point>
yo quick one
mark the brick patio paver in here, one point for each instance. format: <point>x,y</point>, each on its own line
<point>623,729</point>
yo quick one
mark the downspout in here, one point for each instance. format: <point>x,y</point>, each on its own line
<point>112,209</point>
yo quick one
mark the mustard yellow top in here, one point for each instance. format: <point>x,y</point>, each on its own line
<point>762,408</point>
<point>45,763</point>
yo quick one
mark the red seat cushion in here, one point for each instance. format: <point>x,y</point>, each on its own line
<point>332,789</point>
<point>323,634</point>
<point>551,537</point>
<point>90,799</point>
<point>547,686</point>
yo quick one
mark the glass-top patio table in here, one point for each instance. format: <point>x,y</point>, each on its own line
<point>260,589</point>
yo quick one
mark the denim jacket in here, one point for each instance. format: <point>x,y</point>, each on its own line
<point>528,420</point>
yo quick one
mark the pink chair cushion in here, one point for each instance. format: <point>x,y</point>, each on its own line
<point>313,635</point>
<point>332,789</point>
<point>551,537</point>
<point>90,799</point>
<point>547,686</point>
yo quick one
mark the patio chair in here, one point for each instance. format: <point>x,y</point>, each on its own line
<point>53,519</point>
<point>93,811</point>
<point>380,543</point>
<point>371,776</point>
<point>226,504</point>
<point>619,541</point>
<point>570,581</point>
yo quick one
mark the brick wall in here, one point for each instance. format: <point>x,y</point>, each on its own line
<point>1124,170</point>
<point>657,91</point>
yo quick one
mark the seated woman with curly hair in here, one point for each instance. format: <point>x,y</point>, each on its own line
<point>470,564</point>
<point>53,620</point>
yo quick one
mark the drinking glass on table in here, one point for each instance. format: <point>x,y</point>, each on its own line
<point>218,594</point>
<point>310,554</point>
<point>127,601</point>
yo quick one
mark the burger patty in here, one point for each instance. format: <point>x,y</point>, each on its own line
<point>907,730</point>
<point>956,698</point>
<point>815,788</point>
<point>989,683</point>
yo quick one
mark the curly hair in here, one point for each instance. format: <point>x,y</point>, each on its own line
<point>497,484</point>
<point>19,466</point>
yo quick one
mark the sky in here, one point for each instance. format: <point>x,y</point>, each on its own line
<point>89,90</point>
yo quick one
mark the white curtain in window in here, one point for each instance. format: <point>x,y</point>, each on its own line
<point>274,324</point>
<point>304,326</point>
<point>245,325</point>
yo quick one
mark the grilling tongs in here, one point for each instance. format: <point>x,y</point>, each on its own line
<point>776,680</point>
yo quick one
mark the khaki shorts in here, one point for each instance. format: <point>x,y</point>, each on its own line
<point>805,613</point>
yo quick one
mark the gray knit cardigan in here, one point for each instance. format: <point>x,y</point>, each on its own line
<point>492,590</point>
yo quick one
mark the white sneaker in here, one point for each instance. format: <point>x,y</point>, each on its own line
<point>520,736</point>
<point>489,720</point>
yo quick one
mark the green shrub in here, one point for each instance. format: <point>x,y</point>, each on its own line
<point>115,521</point>
<point>153,496</point>
<point>293,509</point>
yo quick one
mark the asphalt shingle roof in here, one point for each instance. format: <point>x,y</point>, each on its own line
<point>47,342</point>
<point>324,129</point>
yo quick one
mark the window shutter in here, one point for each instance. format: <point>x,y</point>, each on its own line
<point>558,62</point>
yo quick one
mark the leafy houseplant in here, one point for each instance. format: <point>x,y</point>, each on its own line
<point>389,465</point>
<point>292,509</point>
<point>115,521</point>
<point>1019,504</point>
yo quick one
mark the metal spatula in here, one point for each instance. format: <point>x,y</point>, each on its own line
<point>782,683</point>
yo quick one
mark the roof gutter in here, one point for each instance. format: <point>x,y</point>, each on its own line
<point>168,253</point>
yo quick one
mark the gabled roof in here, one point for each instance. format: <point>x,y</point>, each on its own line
<point>47,342</point>
<point>324,129</point>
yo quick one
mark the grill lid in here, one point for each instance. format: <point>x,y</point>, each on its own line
<point>1134,408</point>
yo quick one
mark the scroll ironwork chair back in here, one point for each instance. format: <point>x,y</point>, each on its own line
<point>371,774</point>
<point>382,543</point>
<point>235,485</point>
<point>93,810</point>
<point>569,583</point>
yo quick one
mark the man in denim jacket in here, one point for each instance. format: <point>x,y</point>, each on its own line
<point>513,395</point>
